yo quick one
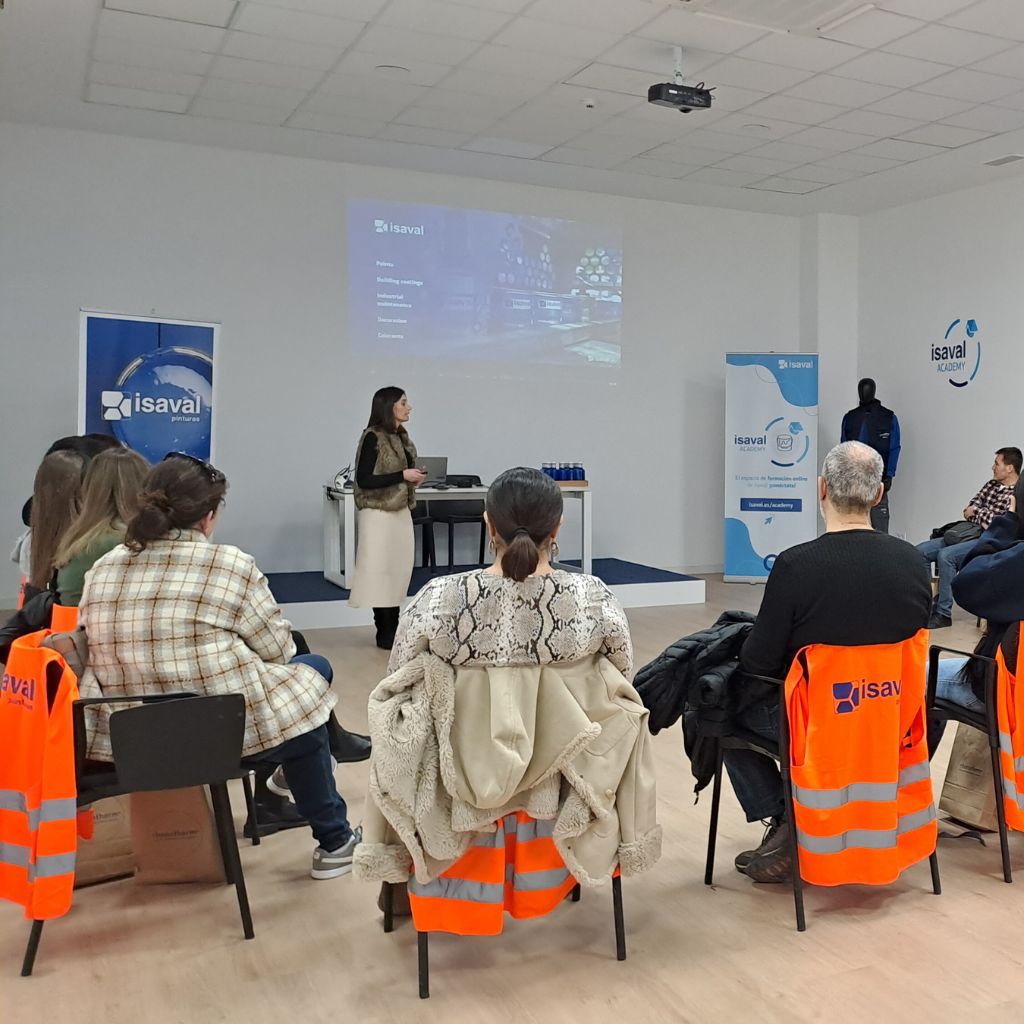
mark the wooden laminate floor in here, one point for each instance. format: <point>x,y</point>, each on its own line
<point>128,953</point>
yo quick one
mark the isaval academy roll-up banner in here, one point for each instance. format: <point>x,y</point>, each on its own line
<point>148,382</point>
<point>771,459</point>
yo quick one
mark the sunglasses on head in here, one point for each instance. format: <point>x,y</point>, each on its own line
<point>214,475</point>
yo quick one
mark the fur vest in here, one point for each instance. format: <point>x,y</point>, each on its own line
<point>566,742</point>
<point>395,454</point>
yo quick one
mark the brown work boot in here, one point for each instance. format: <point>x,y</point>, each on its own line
<point>773,859</point>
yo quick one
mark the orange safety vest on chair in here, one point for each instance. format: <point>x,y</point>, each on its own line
<point>39,820</point>
<point>1010,711</point>
<point>517,869</point>
<point>862,790</point>
<point>63,618</point>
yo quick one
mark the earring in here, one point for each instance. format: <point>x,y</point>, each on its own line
<point>490,547</point>
<point>553,552</point>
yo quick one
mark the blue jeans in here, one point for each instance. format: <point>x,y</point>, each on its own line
<point>306,760</point>
<point>950,687</point>
<point>756,778</point>
<point>947,564</point>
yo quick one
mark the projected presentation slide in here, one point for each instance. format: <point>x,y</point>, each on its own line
<point>440,283</point>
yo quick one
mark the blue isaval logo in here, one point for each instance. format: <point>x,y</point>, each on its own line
<point>848,696</point>
<point>958,358</point>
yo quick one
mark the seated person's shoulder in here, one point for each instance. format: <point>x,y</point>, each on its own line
<point>233,559</point>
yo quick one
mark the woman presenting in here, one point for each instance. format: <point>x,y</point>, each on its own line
<point>385,492</point>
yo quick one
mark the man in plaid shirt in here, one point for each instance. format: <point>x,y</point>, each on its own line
<point>992,500</point>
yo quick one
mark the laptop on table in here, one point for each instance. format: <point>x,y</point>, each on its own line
<point>436,468</point>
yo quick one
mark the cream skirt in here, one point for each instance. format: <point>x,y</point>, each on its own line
<point>384,557</point>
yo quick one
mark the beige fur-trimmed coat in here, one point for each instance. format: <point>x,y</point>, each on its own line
<point>455,749</point>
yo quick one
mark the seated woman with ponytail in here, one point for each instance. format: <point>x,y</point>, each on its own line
<point>168,610</point>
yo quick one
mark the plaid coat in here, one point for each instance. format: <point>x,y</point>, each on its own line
<point>185,614</point>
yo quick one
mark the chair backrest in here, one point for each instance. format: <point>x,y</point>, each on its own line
<point>1010,715</point>
<point>177,743</point>
<point>457,510</point>
<point>858,760</point>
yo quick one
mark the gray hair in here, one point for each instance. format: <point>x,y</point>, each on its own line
<point>852,473</point>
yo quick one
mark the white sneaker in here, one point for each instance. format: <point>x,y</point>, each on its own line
<point>278,784</point>
<point>332,863</point>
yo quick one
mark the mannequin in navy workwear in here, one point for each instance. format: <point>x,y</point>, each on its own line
<point>878,428</point>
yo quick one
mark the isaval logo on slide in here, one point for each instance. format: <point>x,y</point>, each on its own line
<point>120,405</point>
<point>849,695</point>
<point>957,352</point>
<point>388,227</point>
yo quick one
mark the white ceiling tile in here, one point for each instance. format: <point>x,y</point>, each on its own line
<point>721,176</point>
<point>1010,63</point>
<point>681,153</point>
<point>424,136</point>
<point>655,168</point>
<point>948,136</point>
<point>154,80</point>
<point>157,58</point>
<point>262,73</point>
<point>631,126</point>
<point>890,69</point>
<point>506,147</point>
<point>227,111</point>
<point>868,122</point>
<point>398,44</point>
<point>575,98</point>
<point>615,79</point>
<point>686,29</point>
<point>841,92</point>
<point>873,28</point>
<point>531,34</point>
<point>614,15</point>
<point>755,164</point>
<point>899,149</point>
<point>445,19</point>
<point>202,12</point>
<point>449,99</point>
<point>597,141</point>
<point>730,97</point>
<point>790,186</point>
<point>356,62</point>
<point>919,106</point>
<point>451,120</point>
<point>826,175</point>
<point>828,138</point>
<point>358,10</point>
<point>531,129</point>
<point>753,74</point>
<point>374,108</point>
<point>657,58</point>
<point>721,142</point>
<point>281,51</point>
<point>750,127</point>
<point>504,60</point>
<point>790,152</point>
<point>179,35</point>
<point>964,84</point>
<point>948,45</point>
<point>790,108</point>
<point>297,25</point>
<point>366,89</point>
<point>486,84</point>
<point>988,119</point>
<point>1015,101</point>
<point>926,10</point>
<point>859,162</point>
<point>793,51</point>
<point>512,6</point>
<point>141,98</point>
<point>359,126</point>
<point>582,157</point>
<point>271,97</point>
<point>1004,18</point>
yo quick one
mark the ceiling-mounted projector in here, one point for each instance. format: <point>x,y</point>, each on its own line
<point>683,98</point>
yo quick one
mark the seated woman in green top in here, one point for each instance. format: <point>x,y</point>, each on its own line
<point>110,497</point>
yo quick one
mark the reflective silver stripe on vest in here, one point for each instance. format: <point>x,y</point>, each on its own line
<point>870,792</point>
<point>16,856</point>
<point>866,838</point>
<point>536,881</point>
<point>1006,745</point>
<point>459,889</point>
<point>537,829</point>
<point>60,809</point>
<point>52,866</point>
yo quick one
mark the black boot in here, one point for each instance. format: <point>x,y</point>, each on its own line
<point>273,813</point>
<point>386,621</point>
<point>346,747</point>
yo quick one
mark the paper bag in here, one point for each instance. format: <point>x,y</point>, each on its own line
<point>174,837</point>
<point>109,853</point>
<point>967,793</point>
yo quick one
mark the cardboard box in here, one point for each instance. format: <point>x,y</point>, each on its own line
<point>968,794</point>
<point>174,837</point>
<point>109,853</point>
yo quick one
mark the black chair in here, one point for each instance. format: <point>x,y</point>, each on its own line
<point>422,516</point>
<point>749,741</point>
<point>454,512</point>
<point>422,938</point>
<point>171,741</point>
<point>986,721</point>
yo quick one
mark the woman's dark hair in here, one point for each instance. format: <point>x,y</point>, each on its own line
<point>524,507</point>
<point>382,408</point>
<point>56,499</point>
<point>176,494</point>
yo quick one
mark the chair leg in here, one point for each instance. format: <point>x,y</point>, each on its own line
<point>451,544</point>
<point>997,781</point>
<point>483,541</point>
<point>798,882</point>
<point>250,807</point>
<point>620,924</point>
<point>424,964</point>
<point>225,825</point>
<point>32,948</point>
<point>389,907</point>
<point>574,896</point>
<point>933,863</point>
<point>716,796</point>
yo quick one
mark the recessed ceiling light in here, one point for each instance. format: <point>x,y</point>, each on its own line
<point>1012,158</point>
<point>756,127</point>
<point>392,69</point>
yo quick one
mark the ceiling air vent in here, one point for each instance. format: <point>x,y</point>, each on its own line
<point>778,15</point>
<point>1004,160</point>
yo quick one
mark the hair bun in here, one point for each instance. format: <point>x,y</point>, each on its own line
<point>158,499</point>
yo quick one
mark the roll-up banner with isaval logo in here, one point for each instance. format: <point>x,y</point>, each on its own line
<point>771,457</point>
<point>148,382</point>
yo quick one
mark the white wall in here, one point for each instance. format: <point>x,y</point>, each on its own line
<point>257,243</point>
<point>923,266</point>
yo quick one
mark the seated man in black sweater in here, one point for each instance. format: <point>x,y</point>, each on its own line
<point>853,586</point>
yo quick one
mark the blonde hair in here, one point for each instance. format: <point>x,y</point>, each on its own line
<point>56,496</point>
<point>110,498</point>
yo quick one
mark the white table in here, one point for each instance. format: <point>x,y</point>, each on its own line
<point>339,516</point>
